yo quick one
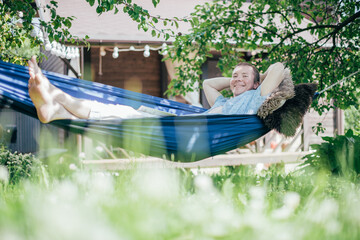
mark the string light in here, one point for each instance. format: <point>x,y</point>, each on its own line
<point>53,48</point>
<point>63,51</point>
<point>60,50</point>
<point>147,51</point>
<point>39,32</point>
<point>102,51</point>
<point>47,45</point>
<point>116,52</point>
<point>163,49</point>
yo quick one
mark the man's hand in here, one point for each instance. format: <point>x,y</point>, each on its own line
<point>272,78</point>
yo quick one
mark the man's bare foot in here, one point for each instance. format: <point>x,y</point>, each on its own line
<point>43,95</point>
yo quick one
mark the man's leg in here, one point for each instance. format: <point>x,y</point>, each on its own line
<point>49,100</point>
<point>52,103</point>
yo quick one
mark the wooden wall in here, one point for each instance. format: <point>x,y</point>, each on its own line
<point>131,71</point>
<point>332,121</point>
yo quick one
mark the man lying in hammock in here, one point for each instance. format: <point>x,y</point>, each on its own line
<point>249,87</point>
<point>52,103</point>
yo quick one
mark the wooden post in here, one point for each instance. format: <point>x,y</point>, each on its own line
<point>339,122</point>
<point>306,133</point>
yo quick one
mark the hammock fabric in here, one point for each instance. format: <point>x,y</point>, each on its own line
<point>179,138</point>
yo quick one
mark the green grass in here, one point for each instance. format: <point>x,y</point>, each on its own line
<point>320,200</point>
<point>235,203</point>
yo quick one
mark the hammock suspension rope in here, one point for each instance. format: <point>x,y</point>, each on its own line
<point>338,82</point>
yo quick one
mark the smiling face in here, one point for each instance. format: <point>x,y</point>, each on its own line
<point>242,80</point>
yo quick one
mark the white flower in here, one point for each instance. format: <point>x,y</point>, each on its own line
<point>4,174</point>
<point>257,198</point>
<point>102,183</point>
<point>159,184</point>
<point>99,149</point>
<point>292,200</point>
<point>82,155</point>
<point>203,183</point>
<point>259,167</point>
<point>72,166</point>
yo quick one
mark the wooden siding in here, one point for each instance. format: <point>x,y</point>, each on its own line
<point>131,71</point>
<point>53,64</point>
<point>328,121</point>
<point>21,131</point>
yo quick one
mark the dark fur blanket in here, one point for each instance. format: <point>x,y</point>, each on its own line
<point>289,116</point>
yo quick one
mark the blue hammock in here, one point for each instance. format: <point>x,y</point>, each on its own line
<point>180,138</point>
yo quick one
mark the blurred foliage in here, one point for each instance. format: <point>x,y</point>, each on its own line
<point>18,29</point>
<point>181,204</point>
<point>352,119</point>
<point>20,166</point>
<point>338,155</point>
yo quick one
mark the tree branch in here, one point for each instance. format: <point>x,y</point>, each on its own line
<point>337,28</point>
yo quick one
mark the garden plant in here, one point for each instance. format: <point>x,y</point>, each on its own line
<point>318,200</point>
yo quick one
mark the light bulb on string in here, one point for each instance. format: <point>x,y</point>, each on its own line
<point>132,48</point>
<point>58,49</point>
<point>63,51</point>
<point>147,51</point>
<point>72,52</point>
<point>68,54</point>
<point>146,54</point>
<point>53,48</point>
<point>116,52</point>
<point>47,44</point>
<point>102,51</point>
<point>164,49</point>
<point>77,52</point>
<point>41,36</point>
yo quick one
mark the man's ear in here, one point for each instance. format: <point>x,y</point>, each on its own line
<point>256,85</point>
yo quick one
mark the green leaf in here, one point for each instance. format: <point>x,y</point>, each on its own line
<point>91,2</point>
<point>349,133</point>
<point>67,23</point>
<point>153,33</point>
<point>155,2</point>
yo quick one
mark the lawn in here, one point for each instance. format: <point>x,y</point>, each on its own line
<point>312,202</point>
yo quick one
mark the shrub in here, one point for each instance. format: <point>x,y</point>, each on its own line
<point>19,165</point>
<point>339,154</point>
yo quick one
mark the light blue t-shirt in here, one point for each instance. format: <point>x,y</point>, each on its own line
<point>248,102</point>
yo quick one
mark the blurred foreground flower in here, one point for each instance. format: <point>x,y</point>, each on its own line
<point>157,184</point>
<point>291,202</point>
<point>204,183</point>
<point>4,174</point>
